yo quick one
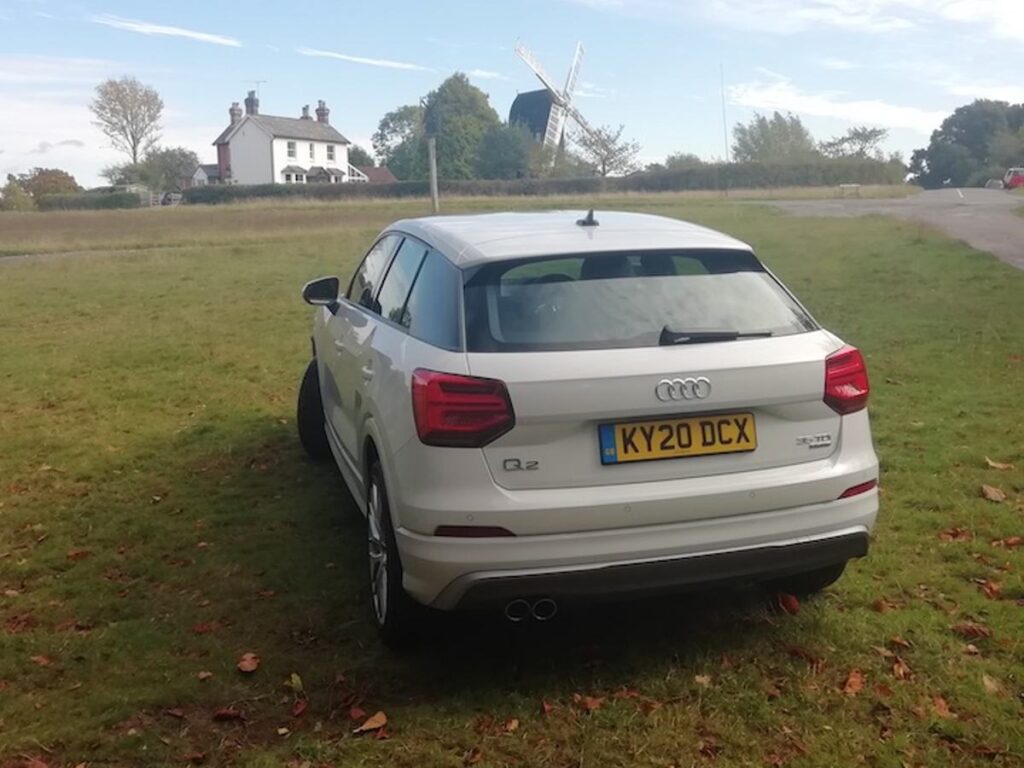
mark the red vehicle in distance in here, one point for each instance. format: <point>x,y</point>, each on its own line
<point>1014,178</point>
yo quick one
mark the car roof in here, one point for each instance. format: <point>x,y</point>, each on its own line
<point>470,240</point>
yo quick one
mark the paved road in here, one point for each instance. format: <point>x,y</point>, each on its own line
<point>983,218</point>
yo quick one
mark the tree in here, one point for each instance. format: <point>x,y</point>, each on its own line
<point>46,181</point>
<point>129,113</point>
<point>1006,149</point>
<point>505,152</point>
<point>458,114</point>
<point>14,198</point>
<point>359,157</point>
<point>860,142</point>
<point>169,169</point>
<point>783,138</point>
<point>606,151</point>
<point>397,128</point>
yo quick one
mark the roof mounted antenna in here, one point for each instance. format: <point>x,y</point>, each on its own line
<point>589,221</point>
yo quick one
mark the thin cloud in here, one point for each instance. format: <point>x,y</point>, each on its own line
<point>45,146</point>
<point>783,95</point>
<point>148,28</point>
<point>839,65</point>
<point>486,74</point>
<point>385,63</point>
<point>52,70</point>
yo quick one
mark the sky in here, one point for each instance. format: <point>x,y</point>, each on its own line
<point>656,66</point>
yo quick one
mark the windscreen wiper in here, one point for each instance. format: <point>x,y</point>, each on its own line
<point>669,337</point>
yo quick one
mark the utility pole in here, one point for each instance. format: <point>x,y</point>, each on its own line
<point>432,154</point>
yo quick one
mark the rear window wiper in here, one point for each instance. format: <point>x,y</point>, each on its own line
<point>669,337</point>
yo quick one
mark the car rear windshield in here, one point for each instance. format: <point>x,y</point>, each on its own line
<point>629,299</point>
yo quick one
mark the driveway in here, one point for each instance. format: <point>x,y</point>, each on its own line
<point>983,218</point>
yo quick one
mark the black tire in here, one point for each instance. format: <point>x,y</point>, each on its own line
<point>810,582</point>
<point>396,614</point>
<point>310,416</point>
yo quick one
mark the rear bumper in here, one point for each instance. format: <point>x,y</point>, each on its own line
<point>609,581</point>
<point>450,573</point>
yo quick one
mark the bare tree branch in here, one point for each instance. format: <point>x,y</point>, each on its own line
<point>128,112</point>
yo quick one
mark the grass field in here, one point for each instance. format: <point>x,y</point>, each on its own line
<point>158,521</point>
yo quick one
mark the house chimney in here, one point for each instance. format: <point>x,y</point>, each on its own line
<point>252,104</point>
<point>305,113</point>
<point>235,112</point>
<point>322,112</point>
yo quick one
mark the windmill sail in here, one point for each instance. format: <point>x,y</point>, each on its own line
<point>560,100</point>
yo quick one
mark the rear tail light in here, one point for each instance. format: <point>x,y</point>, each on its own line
<point>858,489</point>
<point>459,411</point>
<point>846,381</point>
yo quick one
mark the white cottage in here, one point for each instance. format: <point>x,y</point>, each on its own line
<point>264,149</point>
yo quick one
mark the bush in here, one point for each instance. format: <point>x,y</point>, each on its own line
<point>706,176</point>
<point>89,201</point>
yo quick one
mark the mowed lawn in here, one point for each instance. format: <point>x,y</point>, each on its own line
<point>158,521</point>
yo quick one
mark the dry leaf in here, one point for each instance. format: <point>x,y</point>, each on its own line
<point>897,641</point>
<point>282,731</point>
<point>42,661</point>
<point>373,723</point>
<point>854,683</point>
<point>881,605</point>
<point>971,630</point>
<point>512,725</point>
<point>990,588</point>
<point>971,649</point>
<point>709,746</point>
<point>356,713</point>
<point>249,662</point>
<point>789,603</point>
<point>299,707</point>
<point>900,670</point>
<point>992,493</point>
<point>176,712</point>
<point>997,464</point>
<point>955,534</point>
<point>204,675</point>
<point>941,707</point>
<point>473,757</point>
<point>883,690</point>
<point>704,681</point>
<point>228,714</point>
<point>546,707</point>
<point>992,686</point>
<point>1011,542</point>
<point>294,682</point>
<point>588,703</point>
<point>78,554</point>
<point>196,758</point>
<point>205,628</point>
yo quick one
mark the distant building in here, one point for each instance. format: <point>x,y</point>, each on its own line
<point>375,175</point>
<point>265,149</point>
<point>206,174</point>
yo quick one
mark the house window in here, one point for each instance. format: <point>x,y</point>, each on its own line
<point>330,152</point>
<point>287,178</point>
<point>312,155</point>
<point>291,149</point>
<point>299,178</point>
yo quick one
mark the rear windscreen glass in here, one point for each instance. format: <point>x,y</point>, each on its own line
<point>624,300</point>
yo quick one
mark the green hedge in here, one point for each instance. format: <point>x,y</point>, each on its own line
<point>709,176</point>
<point>88,201</point>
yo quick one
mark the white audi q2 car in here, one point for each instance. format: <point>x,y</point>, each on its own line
<point>532,408</point>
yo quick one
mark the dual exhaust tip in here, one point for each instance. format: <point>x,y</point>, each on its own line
<point>519,610</point>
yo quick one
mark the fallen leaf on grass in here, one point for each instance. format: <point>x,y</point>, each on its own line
<point>897,641</point>
<point>356,713</point>
<point>941,707</point>
<point>512,725</point>
<point>206,628</point>
<point>816,663</point>
<point>176,712</point>
<point>19,623</point>
<point>196,758</point>
<point>854,683</point>
<point>789,603</point>
<point>997,464</point>
<point>249,662</point>
<point>900,670</point>
<point>881,605</point>
<point>955,534</point>
<point>883,690</point>
<point>78,554</point>
<point>992,493</point>
<point>990,588</point>
<point>709,746</point>
<point>42,661</point>
<point>1011,542</point>
<point>373,723</point>
<point>546,707</point>
<point>473,757</point>
<point>704,681</point>
<point>227,715</point>
<point>972,630</point>
<point>299,707</point>
<point>294,682</point>
<point>204,675</point>
<point>992,686</point>
<point>971,649</point>
<point>588,703</point>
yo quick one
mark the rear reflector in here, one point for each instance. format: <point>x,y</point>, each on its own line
<point>459,411</point>
<point>846,381</point>
<point>858,489</point>
<point>472,531</point>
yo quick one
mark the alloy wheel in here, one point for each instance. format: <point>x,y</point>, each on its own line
<point>378,551</point>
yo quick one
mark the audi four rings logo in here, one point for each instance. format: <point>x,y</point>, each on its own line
<point>682,389</point>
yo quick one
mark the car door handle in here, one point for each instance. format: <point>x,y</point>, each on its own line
<point>367,373</point>
<point>340,345</point>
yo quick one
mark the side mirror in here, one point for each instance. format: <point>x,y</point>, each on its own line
<point>322,292</point>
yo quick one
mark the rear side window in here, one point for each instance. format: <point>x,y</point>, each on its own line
<point>367,278</point>
<point>433,308</point>
<point>391,301</point>
<point>627,299</point>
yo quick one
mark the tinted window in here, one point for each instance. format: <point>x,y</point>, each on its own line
<point>623,300</point>
<point>433,308</point>
<point>398,281</point>
<point>367,278</point>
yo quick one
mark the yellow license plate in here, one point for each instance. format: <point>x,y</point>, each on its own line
<point>677,438</point>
